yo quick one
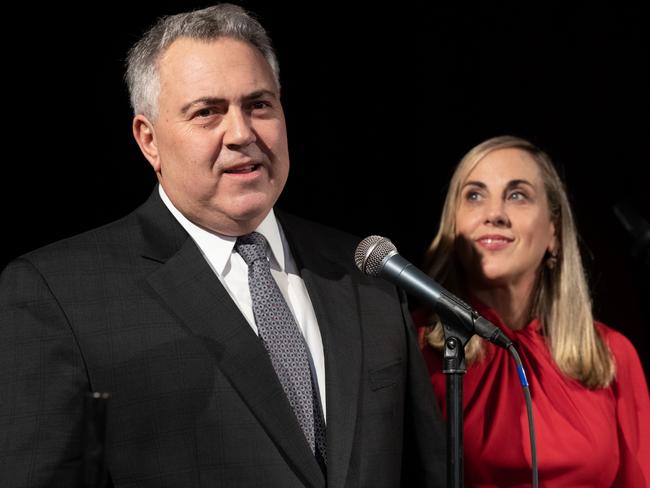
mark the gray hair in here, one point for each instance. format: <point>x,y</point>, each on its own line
<point>223,20</point>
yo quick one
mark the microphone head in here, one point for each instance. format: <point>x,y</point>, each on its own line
<point>371,252</point>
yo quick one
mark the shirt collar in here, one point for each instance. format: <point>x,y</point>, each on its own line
<point>270,229</point>
<point>218,248</point>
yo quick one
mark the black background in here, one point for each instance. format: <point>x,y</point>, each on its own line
<point>381,102</point>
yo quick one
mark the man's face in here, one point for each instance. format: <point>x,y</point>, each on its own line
<point>219,143</point>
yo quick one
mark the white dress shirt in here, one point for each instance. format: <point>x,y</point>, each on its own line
<point>230,268</point>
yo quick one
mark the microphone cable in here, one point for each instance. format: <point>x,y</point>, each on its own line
<point>529,411</point>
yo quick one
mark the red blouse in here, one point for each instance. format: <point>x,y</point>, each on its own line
<point>585,438</point>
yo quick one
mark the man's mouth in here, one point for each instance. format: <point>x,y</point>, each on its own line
<point>249,168</point>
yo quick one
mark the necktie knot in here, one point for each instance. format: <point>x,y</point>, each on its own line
<point>251,247</point>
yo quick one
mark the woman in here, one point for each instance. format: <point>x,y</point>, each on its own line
<point>507,244</point>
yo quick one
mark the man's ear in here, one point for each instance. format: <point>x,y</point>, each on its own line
<point>145,135</point>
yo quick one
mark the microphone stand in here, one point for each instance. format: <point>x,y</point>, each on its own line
<point>94,473</point>
<point>377,256</point>
<point>454,369</point>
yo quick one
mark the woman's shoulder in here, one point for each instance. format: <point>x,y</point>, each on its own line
<point>626,357</point>
<point>618,344</point>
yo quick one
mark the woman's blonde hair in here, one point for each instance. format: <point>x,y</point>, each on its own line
<point>561,299</point>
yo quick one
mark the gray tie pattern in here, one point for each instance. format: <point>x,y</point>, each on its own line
<point>283,340</point>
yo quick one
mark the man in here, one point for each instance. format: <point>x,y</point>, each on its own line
<point>163,308</point>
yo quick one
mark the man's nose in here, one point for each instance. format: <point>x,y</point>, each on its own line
<point>238,131</point>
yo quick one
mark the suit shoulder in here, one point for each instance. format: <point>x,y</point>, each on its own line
<point>318,233</point>
<point>108,239</point>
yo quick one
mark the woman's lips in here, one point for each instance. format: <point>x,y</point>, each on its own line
<point>494,242</point>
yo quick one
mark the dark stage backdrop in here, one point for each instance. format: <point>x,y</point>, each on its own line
<point>381,102</point>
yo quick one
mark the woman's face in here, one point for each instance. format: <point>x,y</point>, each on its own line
<point>503,222</point>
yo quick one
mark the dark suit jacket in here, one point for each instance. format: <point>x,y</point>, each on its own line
<point>133,309</point>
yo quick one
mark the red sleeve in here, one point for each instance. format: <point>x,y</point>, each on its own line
<point>632,411</point>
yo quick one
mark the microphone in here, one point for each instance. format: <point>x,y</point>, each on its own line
<point>377,256</point>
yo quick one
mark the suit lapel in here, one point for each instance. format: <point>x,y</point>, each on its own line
<point>191,290</point>
<point>334,299</point>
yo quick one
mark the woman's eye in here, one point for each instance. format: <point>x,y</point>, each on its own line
<point>518,195</point>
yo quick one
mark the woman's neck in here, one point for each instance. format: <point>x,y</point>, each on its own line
<point>511,301</point>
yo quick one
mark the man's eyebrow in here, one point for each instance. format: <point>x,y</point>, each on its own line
<point>260,94</point>
<point>203,101</point>
<point>207,101</point>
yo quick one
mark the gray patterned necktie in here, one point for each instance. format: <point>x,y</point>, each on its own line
<point>283,341</point>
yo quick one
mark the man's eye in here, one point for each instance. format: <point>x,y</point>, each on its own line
<point>259,104</point>
<point>204,112</point>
